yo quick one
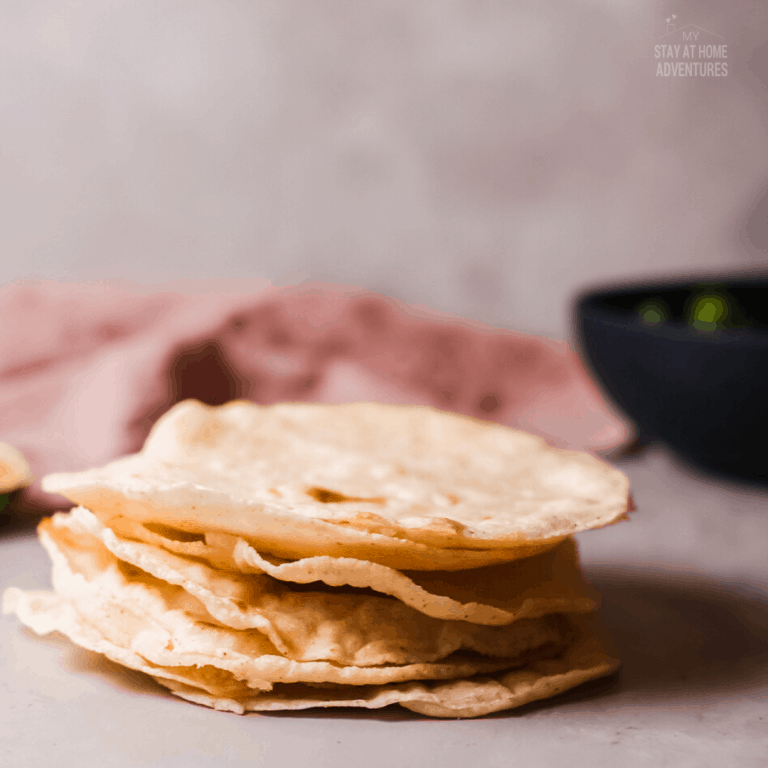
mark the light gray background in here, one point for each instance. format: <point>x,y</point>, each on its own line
<point>484,158</point>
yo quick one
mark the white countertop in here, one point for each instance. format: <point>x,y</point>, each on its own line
<point>685,587</point>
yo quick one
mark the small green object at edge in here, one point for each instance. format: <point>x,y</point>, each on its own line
<point>653,312</point>
<point>709,312</point>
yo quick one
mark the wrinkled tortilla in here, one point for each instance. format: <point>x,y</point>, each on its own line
<point>495,595</point>
<point>587,658</point>
<point>344,638</point>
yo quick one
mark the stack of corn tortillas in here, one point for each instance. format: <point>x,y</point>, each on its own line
<point>298,555</point>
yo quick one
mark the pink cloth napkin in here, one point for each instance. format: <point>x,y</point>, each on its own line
<point>85,370</point>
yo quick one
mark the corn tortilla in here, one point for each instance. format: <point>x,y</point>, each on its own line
<point>350,630</point>
<point>530,587</point>
<point>410,487</point>
<point>14,470</point>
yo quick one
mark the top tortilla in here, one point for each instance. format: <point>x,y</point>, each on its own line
<point>399,485</point>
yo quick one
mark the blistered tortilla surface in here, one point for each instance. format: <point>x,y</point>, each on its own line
<point>405,486</point>
<point>588,658</point>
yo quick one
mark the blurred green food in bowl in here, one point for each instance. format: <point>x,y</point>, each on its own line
<point>709,308</point>
<point>653,311</point>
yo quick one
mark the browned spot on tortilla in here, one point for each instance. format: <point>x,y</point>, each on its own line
<point>453,498</point>
<point>325,496</point>
<point>174,534</point>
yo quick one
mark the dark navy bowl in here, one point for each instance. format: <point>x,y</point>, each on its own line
<point>688,363</point>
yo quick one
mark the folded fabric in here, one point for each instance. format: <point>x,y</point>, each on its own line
<point>85,370</point>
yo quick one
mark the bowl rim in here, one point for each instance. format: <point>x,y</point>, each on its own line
<point>587,303</point>
<point>679,281</point>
